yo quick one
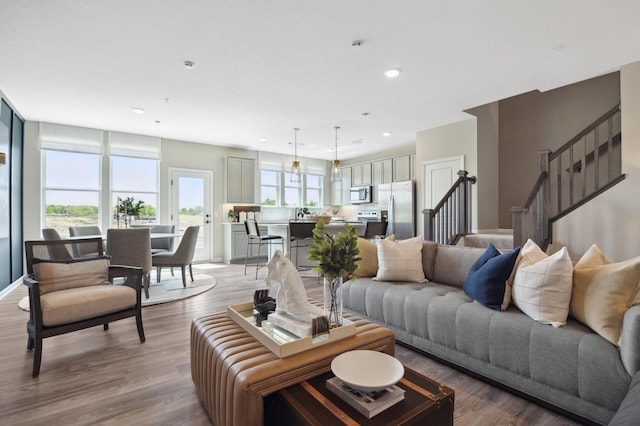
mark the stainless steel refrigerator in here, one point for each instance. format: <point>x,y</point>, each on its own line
<point>399,198</point>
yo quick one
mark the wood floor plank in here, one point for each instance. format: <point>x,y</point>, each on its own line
<point>93,377</point>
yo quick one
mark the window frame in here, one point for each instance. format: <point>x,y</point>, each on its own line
<point>302,187</point>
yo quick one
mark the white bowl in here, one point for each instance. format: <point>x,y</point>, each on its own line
<point>367,370</point>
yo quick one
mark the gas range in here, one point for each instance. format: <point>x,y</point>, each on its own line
<point>368,216</point>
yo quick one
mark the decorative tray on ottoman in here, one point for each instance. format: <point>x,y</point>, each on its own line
<point>281,342</point>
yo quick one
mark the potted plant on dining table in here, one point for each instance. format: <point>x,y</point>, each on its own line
<point>337,257</point>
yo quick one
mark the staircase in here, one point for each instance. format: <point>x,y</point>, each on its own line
<point>584,167</point>
<point>450,219</point>
<point>581,169</point>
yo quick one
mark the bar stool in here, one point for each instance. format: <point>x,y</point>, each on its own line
<point>375,229</point>
<point>301,235</point>
<point>253,238</point>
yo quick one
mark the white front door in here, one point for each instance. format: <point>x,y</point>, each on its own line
<point>439,176</point>
<point>191,195</point>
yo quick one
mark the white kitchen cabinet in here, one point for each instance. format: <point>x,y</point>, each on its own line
<point>361,174</point>
<point>235,240</point>
<point>346,185</point>
<point>241,180</point>
<point>382,171</point>
<point>401,168</point>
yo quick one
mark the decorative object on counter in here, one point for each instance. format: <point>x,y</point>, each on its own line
<point>326,219</point>
<point>292,296</point>
<point>295,166</point>
<point>336,256</point>
<point>336,171</point>
<point>233,215</point>
<point>127,210</point>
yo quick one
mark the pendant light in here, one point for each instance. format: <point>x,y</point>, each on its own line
<point>336,171</point>
<point>295,166</point>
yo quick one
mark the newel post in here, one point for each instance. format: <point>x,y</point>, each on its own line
<point>428,225</point>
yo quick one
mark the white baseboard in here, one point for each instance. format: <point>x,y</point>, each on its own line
<point>10,288</point>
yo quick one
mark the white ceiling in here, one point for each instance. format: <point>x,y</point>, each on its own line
<point>265,67</point>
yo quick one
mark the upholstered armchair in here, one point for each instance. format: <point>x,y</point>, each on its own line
<point>72,294</point>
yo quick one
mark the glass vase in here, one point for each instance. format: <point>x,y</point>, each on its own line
<point>333,301</point>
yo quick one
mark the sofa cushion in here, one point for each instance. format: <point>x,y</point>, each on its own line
<point>542,284</point>
<point>629,411</point>
<point>485,282</point>
<point>77,304</point>
<point>400,261</point>
<point>60,275</point>
<point>368,263</point>
<point>603,291</point>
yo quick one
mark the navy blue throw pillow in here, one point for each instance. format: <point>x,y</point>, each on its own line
<point>485,281</point>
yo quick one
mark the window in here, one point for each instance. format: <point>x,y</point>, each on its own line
<point>71,189</point>
<point>270,187</point>
<point>136,180</point>
<point>313,194</point>
<point>276,189</point>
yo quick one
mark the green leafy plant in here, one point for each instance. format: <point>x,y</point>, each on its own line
<point>128,208</point>
<point>336,254</point>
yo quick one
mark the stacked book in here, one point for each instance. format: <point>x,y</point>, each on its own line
<point>368,403</point>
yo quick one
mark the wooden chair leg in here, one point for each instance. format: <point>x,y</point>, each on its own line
<point>147,282</point>
<point>139,325</point>
<point>191,272</point>
<point>37,357</point>
<point>184,276</point>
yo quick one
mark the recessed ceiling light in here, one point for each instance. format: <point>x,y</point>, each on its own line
<point>392,73</point>
<point>357,141</point>
<point>189,65</point>
<point>157,121</point>
<point>387,134</point>
<point>365,114</point>
<point>262,139</point>
<point>137,110</point>
<point>356,43</point>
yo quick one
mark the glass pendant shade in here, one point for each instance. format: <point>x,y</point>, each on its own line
<point>336,171</point>
<point>295,166</point>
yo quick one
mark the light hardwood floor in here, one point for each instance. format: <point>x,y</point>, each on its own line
<point>94,377</point>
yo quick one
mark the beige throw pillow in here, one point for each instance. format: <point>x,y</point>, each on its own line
<point>54,276</point>
<point>603,291</point>
<point>368,263</point>
<point>400,261</point>
<point>542,284</point>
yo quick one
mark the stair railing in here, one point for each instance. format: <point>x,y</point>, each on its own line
<point>450,219</point>
<point>570,177</point>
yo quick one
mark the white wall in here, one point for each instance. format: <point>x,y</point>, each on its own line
<point>611,220</point>
<point>444,142</point>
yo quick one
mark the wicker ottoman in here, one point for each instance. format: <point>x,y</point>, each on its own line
<point>233,372</point>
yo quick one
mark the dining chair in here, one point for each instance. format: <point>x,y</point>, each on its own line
<point>56,251</point>
<point>159,245</point>
<point>79,231</point>
<point>182,257</point>
<point>131,247</point>
<point>254,238</point>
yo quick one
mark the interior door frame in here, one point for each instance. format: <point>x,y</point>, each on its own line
<point>207,231</point>
<point>426,165</point>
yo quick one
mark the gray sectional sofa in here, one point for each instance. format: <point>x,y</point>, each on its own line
<point>570,369</point>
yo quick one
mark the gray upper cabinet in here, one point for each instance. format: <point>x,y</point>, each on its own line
<point>241,180</point>
<point>361,174</point>
<point>346,185</point>
<point>401,168</point>
<point>382,171</point>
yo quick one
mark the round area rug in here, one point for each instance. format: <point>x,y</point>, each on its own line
<point>170,288</point>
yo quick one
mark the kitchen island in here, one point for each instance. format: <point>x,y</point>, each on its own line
<point>282,229</point>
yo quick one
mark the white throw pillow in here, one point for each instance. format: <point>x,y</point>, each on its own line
<point>542,284</point>
<point>400,260</point>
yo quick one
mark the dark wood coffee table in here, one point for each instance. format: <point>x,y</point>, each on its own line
<point>311,403</point>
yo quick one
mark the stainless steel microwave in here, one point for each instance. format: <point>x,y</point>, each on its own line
<point>360,194</point>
